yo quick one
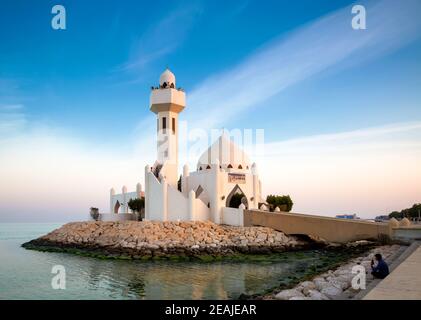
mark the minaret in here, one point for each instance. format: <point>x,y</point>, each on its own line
<point>167,102</point>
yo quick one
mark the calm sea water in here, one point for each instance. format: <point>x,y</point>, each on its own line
<point>26,274</point>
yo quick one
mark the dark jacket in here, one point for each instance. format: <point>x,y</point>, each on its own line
<point>381,269</point>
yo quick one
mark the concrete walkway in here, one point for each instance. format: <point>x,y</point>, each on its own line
<point>403,283</point>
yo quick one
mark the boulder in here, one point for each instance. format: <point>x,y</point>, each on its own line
<point>305,286</point>
<point>300,298</point>
<point>331,291</point>
<point>320,283</point>
<point>316,295</point>
<point>288,294</point>
<point>339,283</point>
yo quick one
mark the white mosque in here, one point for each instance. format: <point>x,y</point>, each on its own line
<point>224,177</point>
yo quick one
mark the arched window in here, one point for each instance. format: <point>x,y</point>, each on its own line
<point>208,167</point>
<point>200,168</point>
<point>117,207</point>
<point>229,166</point>
<point>236,197</point>
<point>172,85</point>
<point>247,167</point>
<point>240,167</point>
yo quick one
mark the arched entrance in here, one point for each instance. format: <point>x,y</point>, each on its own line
<point>117,206</point>
<point>236,197</point>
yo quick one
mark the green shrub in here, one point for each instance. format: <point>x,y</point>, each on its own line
<point>279,201</point>
<point>136,205</point>
<point>94,212</point>
<point>412,212</point>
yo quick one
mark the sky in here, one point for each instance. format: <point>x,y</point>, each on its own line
<point>340,108</point>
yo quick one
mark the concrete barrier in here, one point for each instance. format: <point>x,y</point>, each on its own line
<point>329,229</point>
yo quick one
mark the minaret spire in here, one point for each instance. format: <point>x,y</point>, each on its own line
<point>167,102</point>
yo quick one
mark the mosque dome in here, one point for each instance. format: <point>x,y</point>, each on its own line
<point>225,153</point>
<point>167,79</point>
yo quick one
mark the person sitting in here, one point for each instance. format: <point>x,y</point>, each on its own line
<point>381,269</point>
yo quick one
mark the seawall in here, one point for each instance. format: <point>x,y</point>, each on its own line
<point>327,228</point>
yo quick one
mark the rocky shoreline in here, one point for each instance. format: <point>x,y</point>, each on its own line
<point>335,284</point>
<point>146,240</point>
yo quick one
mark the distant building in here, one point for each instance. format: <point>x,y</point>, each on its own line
<point>381,218</point>
<point>347,216</point>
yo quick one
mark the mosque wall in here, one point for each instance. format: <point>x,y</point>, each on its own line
<point>178,206</point>
<point>153,192</point>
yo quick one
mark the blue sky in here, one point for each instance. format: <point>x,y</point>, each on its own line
<point>89,85</point>
<point>86,77</point>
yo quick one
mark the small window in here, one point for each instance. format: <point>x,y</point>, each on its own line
<point>164,123</point>
<point>240,167</point>
<point>208,167</point>
<point>229,166</point>
<point>173,125</point>
<point>200,168</point>
<point>199,191</point>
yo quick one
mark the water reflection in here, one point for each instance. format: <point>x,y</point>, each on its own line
<point>186,280</point>
<point>26,274</point>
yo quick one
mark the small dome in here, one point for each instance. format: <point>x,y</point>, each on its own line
<point>167,79</point>
<point>226,153</point>
<point>405,222</point>
<point>263,207</point>
<point>393,223</point>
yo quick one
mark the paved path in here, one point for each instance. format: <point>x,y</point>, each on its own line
<point>403,283</point>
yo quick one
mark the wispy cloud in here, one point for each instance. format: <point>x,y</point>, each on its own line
<point>163,37</point>
<point>330,42</point>
<point>12,120</point>
<point>347,137</point>
<point>327,43</point>
<point>9,89</point>
<point>11,107</point>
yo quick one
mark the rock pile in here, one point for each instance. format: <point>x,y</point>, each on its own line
<point>145,239</point>
<point>336,284</point>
